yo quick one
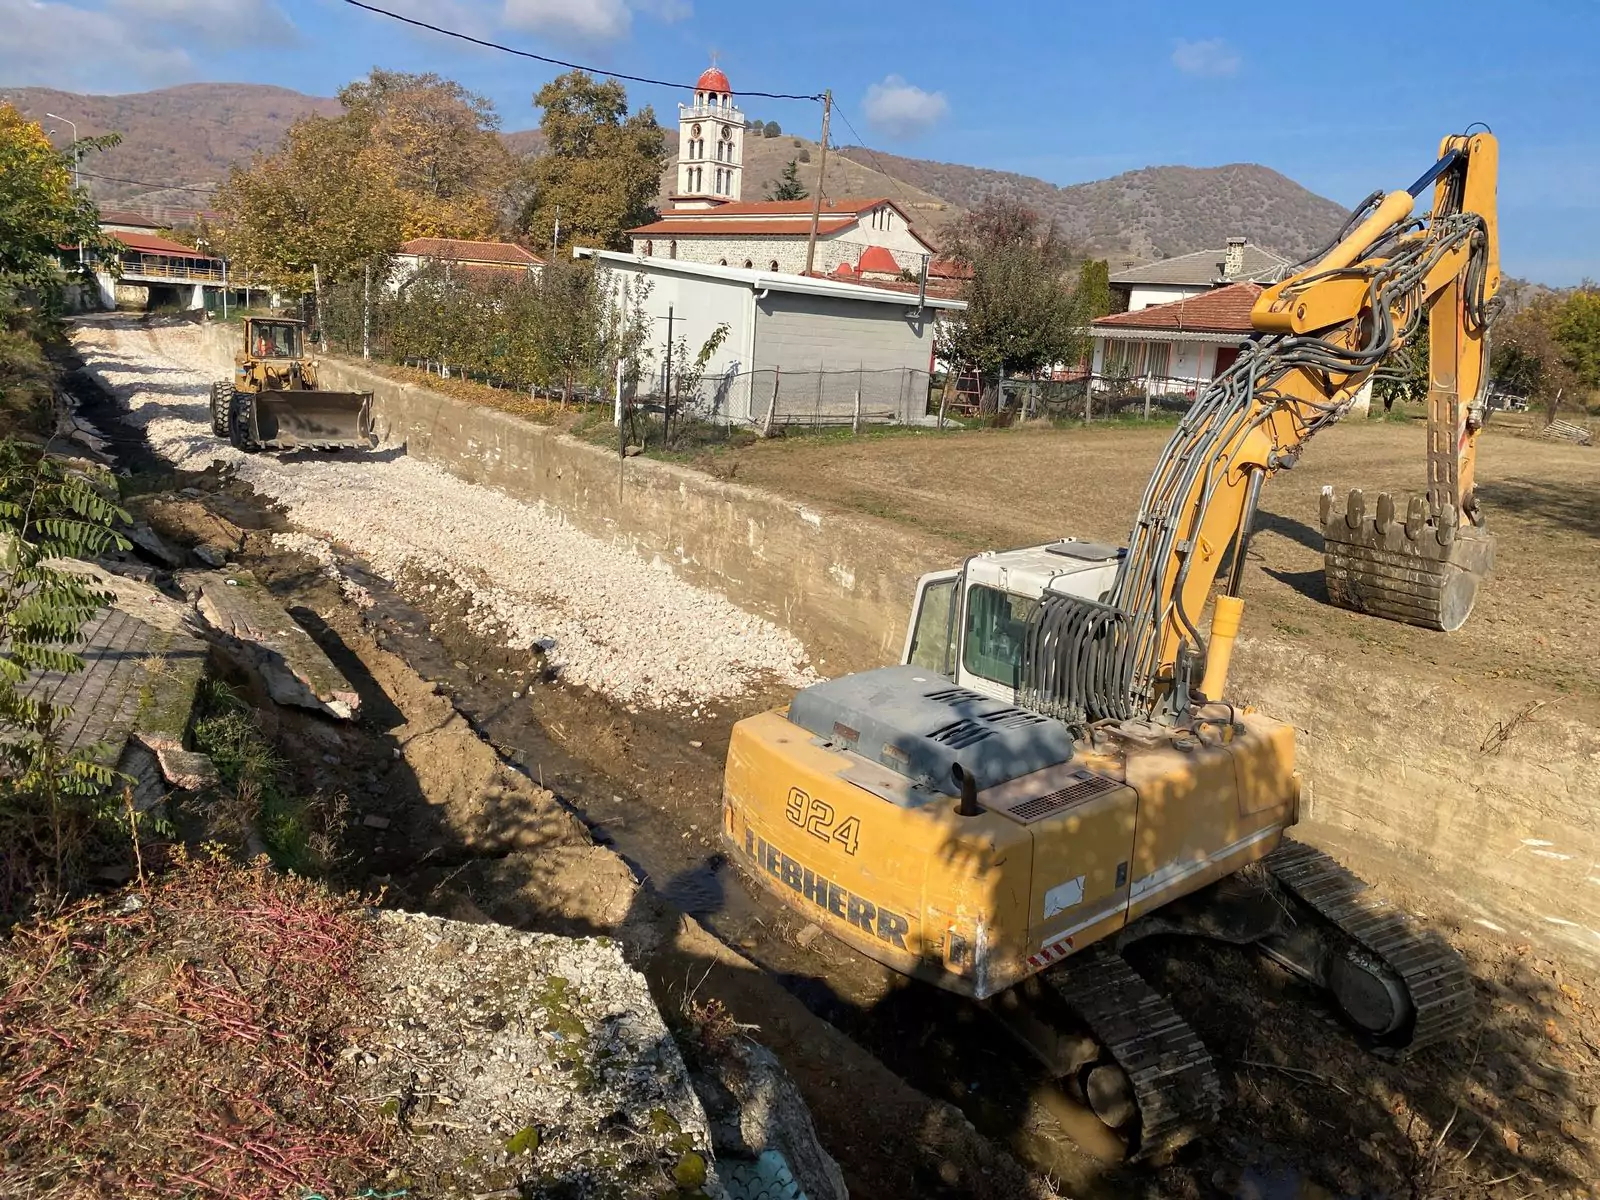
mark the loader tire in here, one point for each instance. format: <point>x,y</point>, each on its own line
<point>221,408</point>
<point>241,421</point>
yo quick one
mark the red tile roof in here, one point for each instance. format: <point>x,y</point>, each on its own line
<point>1221,310</point>
<point>877,260</point>
<point>712,80</point>
<point>949,268</point>
<point>462,251</point>
<point>675,226</point>
<point>149,243</point>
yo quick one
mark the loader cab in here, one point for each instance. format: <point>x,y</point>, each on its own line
<point>971,625</point>
<point>274,338</point>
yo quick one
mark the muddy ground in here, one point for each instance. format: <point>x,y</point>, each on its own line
<point>466,832</point>
<point>1536,614</point>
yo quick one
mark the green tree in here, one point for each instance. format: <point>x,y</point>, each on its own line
<point>1576,326</point>
<point>328,197</point>
<point>788,186</point>
<point>40,210</point>
<point>771,129</point>
<point>569,338</point>
<point>442,148</point>
<point>1094,291</point>
<point>1021,313</point>
<point>601,167</point>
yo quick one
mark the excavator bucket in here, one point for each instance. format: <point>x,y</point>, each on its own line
<point>1417,568</point>
<point>305,420</point>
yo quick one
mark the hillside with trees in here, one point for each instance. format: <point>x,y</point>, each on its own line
<point>192,135</point>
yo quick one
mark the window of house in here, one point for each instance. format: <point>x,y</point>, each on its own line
<point>722,262</point>
<point>649,249</point>
<point>748,264</point>
<point>1124,358</point>
<point>672,250</point>
<point>996,632</point>
<point>1158,360</point>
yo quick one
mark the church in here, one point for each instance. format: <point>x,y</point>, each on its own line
<point>707,220</point>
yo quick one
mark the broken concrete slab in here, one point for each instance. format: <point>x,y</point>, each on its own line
<point>211,556</point>
<point>526,1063</point>
<point>150,543</point>
<point>292,666</point>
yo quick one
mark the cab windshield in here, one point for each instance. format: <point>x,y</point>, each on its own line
<point>275,339</point>
<point>996,632</point>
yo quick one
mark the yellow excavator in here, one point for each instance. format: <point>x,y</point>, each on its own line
<point>275,400</point>
<point>1055,768</point>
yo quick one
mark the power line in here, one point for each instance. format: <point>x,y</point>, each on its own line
<point>876,162</point>
<point>557,62</point>
<point>166,187</point>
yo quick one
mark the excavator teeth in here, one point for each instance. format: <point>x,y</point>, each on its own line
<point>1435,977</point>
<point>1419,569</point>
<point>1174,1080</point>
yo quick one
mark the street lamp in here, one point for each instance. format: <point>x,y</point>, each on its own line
<point>76,155</point>
<point>77,159</point>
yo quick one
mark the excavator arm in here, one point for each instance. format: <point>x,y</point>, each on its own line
<point>1322,334</point>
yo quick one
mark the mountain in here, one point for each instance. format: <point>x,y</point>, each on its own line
<point>191,135</point>
<point>188,135</point>
<point>1156,212</point>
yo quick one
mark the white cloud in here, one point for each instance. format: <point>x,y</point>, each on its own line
<point>143,43</point>
<point>217,23</point>
<point>1209,57</point>
<point>62,46</point>
<point>900,109</point>
<point>578,22</point>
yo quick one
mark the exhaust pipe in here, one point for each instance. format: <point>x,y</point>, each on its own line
<point>968,783</point>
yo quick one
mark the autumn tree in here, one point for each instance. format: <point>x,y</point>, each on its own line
<point>788,186</point>
<point>1021,314</point>
<point>1531,360</point>
<point>40,210</point>
<point>601,166</point>
<point>441,146</point>
<point>327,198</point>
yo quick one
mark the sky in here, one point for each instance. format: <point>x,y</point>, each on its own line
<point>1343,100</point>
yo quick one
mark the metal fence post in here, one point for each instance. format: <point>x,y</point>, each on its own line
<point>1149,386</point>
<point>772,405</point>
<point>855,424</point>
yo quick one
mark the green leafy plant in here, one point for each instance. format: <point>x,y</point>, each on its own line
<point>51,795</point>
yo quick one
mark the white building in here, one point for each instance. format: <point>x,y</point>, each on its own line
<point>708,221</point>
<point>1191,274</point>
<point>812,343</point>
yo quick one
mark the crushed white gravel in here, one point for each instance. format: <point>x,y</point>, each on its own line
<point>606,618</point>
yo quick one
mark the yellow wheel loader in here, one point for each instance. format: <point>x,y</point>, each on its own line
<point>1055,768</point>
<point>275,400</point>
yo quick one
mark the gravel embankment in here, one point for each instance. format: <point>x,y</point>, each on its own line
<point>606,618</point>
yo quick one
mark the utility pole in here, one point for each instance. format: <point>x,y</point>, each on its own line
<point>666,399</point>
<point>822,174</point>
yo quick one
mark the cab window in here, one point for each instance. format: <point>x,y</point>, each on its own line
<point>996,632</point>
<point>275,339</point>
<point>933,633</point>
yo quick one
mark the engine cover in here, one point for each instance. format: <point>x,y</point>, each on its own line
<point>919,724</point>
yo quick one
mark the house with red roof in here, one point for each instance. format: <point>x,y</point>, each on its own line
<point>1178,347</point>
<point>707,220</point>
<point>480,259</point>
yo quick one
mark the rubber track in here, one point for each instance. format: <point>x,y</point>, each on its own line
<point>1174,1079</point>
<point>1434,974</point>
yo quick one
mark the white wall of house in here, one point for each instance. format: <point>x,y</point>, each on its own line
<point>879,227</point>
<point>1143,295</point>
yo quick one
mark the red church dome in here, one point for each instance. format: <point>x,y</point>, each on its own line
<point>713,80</point>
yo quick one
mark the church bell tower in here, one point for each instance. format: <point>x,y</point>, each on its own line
<point>710,145</point>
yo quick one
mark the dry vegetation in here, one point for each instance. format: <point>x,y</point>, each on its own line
<point>182,1041</point>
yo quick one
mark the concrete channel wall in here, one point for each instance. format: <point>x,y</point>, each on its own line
<point>1402,774</point>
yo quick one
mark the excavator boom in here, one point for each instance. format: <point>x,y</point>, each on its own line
<point>1323,333</point>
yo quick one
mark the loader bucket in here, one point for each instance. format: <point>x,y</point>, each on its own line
<point>313,420</point>
<point>1417,569</point>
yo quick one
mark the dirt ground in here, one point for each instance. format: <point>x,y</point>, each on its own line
<point>1535,618</point>
<point>1508,1114</point>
